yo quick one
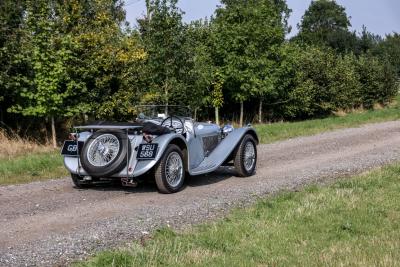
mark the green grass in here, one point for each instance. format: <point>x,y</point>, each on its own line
<point>354,222</point>
<point>269,133</point>
<point>31,167</point>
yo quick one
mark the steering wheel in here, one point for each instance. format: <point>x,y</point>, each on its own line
<point>175,123</point>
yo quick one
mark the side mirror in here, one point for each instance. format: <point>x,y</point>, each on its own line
<point>227,129</point>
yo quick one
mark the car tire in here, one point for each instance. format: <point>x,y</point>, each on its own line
<point>245,156</point>
<point>116,164</point>
<point>170,170</point>
<point>79,182</point>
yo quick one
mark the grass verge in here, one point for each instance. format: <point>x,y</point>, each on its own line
<point>354,222</point>
<point>269,133</point>
<point>31,167</point>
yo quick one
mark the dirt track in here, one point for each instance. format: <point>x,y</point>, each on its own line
<point>51,223</point>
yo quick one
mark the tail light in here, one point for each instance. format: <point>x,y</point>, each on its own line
<point>148,137</point>
<point>72,136</point>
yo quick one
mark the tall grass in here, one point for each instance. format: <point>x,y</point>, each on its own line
<point>11,145</point>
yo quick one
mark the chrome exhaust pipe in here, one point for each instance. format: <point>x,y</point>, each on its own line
<point>128,182</point>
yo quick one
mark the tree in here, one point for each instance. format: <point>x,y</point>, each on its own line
<point>326,23</point>
<point>106,67</point>
<point>389,50</point>
<point>367,41</point>
<point>162,32</point>
<point>247,36</point>
<point>76,54</point>
<point>200,79</point>
<point>11,20</point>
<point>378,80</point>
<point>47,51</point>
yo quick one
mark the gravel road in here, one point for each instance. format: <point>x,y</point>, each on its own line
<point>51,223</point>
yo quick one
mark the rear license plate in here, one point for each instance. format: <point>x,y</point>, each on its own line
<point>70,148</point>
<point>147,151</point>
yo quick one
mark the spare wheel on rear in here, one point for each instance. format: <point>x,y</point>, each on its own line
<point>105,152</point>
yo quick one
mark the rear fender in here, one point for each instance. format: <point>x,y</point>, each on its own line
<point>163,141</point>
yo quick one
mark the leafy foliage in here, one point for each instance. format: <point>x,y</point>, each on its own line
<point>246,37</point>
<point>163,37</point>
<point>389,50</point>
<point>326,23</point>
<point>79,59</point>
<point>11,19</point>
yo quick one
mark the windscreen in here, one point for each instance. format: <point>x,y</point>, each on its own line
<point>161,111</point>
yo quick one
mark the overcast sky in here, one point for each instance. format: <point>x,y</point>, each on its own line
<point>380,17</point>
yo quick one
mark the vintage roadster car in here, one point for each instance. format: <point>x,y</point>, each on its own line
<point>164,142</point>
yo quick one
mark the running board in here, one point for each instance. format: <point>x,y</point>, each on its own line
<point>207,165</point>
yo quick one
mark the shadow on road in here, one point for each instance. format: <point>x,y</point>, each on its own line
<point>147,184</point>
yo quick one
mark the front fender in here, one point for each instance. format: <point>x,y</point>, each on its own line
<point>163,141</point>
<point>224,149</point>
<point>236,136</point>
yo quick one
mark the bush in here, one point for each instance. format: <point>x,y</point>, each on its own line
<point>378,80</point>
<point>315,81</point>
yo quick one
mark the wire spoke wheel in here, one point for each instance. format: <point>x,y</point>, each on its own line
<point>105,153</point>
<point>249,156</point>
<point>245,156</point>
<point>174,169</point>
<point>170,171</point>
<point>103,150</point>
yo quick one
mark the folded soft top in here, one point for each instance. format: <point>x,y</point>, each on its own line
<point>146,127</point>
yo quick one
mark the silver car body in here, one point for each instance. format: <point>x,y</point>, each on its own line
<point>205,145</point>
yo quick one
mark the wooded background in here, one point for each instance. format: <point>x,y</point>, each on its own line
<point>66,61</point>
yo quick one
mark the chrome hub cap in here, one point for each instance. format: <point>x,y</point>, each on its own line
<point>174,169</point>
<point>249,156</point>
<point>103,150</point>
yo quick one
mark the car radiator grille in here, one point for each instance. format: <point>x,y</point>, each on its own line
<point>210,143</point>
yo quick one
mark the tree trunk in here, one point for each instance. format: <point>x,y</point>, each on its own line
<point>148,10</point>
<point>53,132</point>
<point>166,98</point>
<point>217,116</point>
<point>241,114</point>
<point>260,118</point>
<point>195,114</point>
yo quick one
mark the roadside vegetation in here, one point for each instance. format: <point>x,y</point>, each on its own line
<point>353,222</point>
<point>31,167</point>
<point>11,146</point>
<point>24,161</point>
<point>269,133</point>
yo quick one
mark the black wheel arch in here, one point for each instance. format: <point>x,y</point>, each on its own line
<point>183,147</point>
<point>249,131</point>
<point>253,133</point>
